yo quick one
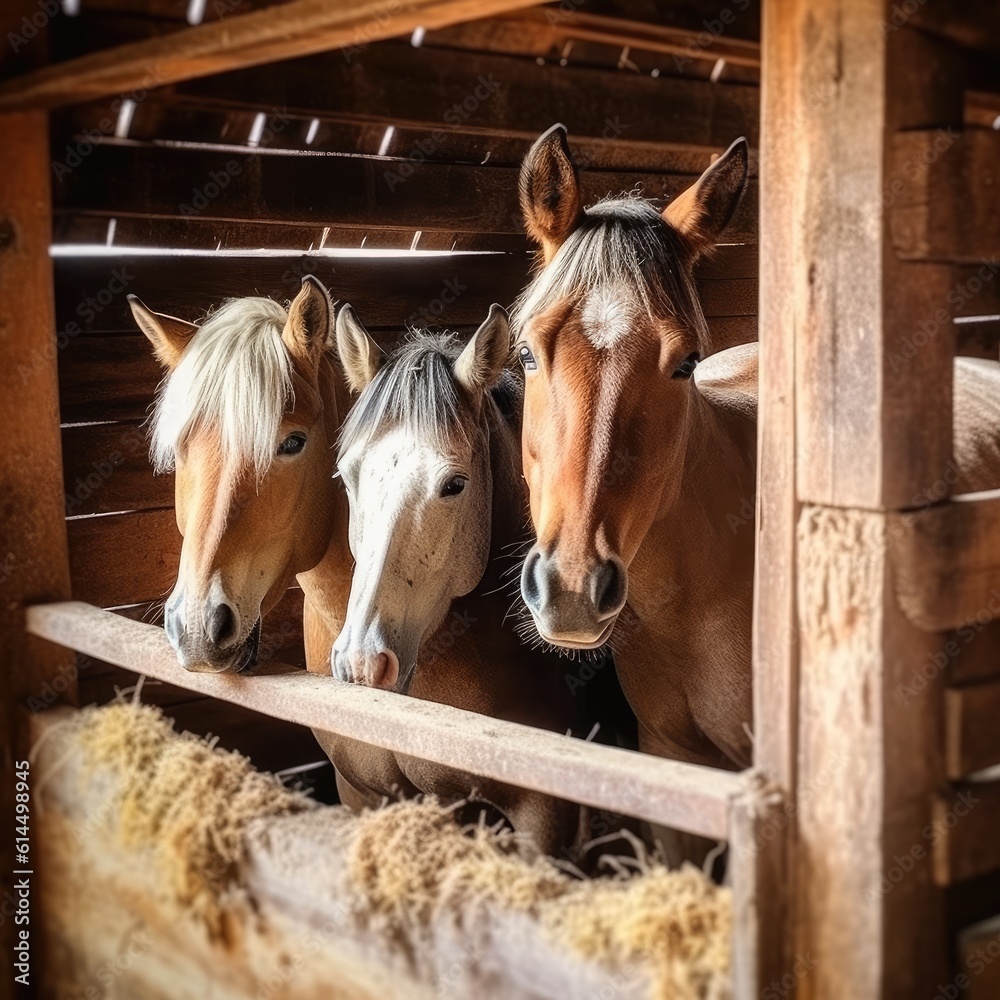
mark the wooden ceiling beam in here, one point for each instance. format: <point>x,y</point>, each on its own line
<point>298,28</point>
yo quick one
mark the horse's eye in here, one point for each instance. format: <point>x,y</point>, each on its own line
<point>527,358</point>
<point>292,444</point>
<point>454,486</point>
<point>687,366</point>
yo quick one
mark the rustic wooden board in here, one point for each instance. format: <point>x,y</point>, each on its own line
<point>124,558</point>
<point>440,90</point>
<point>303,27</point>
<point>947,561</point>
<point>686,796</point>
<point>107,378</point>
<point>384,290</point>
<point>978,947</point>
<point>948,206</point>
<point>106,468</point>
<point>964,835</point>
<point>975,652</point>
<point>123,178</point>
<point>972,728</point>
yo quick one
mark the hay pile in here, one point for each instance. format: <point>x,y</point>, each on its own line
<point>400,871</point>
<point>414,866</point>
<point>179,797</point>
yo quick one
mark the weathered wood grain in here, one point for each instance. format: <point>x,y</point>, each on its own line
<point>963,835</point>
<point>687,796</point>
<point>124,558</point>
<point>302,27</point>
<point>972,735</point>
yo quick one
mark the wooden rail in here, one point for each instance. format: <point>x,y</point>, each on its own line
<point>686,796</point>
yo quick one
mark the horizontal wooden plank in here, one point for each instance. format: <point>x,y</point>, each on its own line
<point>106,468</point>
<point>685,796</point>
<point>973,23</point>
<point>975,291</point>
<point>105,378</point>
<point>947,561</point>
<point>123,558</point>
<point>975,652</point>
<point>947,207</point>
<point>455,290</point>
<point>978,948</point>
<point>123,178</point>
<point>964,832</point>
<point>673,29</point>
<point>972,729</point>
<point>221,236</point>
<point>301,28</point>
<point>185,118</point>
<point>439,91</point>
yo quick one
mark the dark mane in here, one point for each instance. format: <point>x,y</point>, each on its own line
<point>416,389</point>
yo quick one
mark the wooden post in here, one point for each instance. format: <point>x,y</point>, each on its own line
<point>34,565</point>
<point>856,418</point>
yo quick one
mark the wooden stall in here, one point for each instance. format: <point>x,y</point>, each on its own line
<point>189,151</point>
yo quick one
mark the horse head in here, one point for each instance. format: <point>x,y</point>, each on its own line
<point>609,333</point>
<point>246,417</point>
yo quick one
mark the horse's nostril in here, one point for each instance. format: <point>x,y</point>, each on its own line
<point>607,586</point>
<point>221,624</point>
<point>530,589</point>
<point>385,670</point>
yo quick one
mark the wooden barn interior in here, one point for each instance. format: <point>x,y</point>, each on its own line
<point>188,151</point>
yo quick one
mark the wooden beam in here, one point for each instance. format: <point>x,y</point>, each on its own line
<point>972,23</point>
<point>333,190</point>
<point>866,438</point>
<point>947,561</point>
<point>298,28</point>
<point>33,554</point>
<point>963,835</point>
<point>686,796</point>
<point>950,208</point>
<point>972,737</point>
<point>33,550</point>
<point>977,950</point>
<point>443,91</point>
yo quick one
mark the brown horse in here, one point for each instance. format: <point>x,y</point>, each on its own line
<point>247,417</point>
<point>633,460</point>
<point>431,460</point>
<point>641,461</point>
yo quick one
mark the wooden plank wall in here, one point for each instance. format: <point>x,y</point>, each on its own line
<point>241,183</point>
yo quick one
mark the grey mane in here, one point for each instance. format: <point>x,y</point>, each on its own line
<point>623,247</point>
<point>416,389</point>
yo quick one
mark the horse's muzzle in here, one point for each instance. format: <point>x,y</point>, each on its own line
<point>579,617</point>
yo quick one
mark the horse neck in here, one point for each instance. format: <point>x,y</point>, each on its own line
<point>509,501</point>
<point>714,502</point>
<point>327,585</point>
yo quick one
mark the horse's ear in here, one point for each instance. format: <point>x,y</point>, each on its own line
<point>307,329</point>
<point>482,361</point>
<point>359,354</point>
<point>549,190</point>
<point>703,211</point>
<point>168,334</point>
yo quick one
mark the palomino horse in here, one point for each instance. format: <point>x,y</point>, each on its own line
<point>636,469</point>
<point>431,461</point>
<point>248,416</point>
